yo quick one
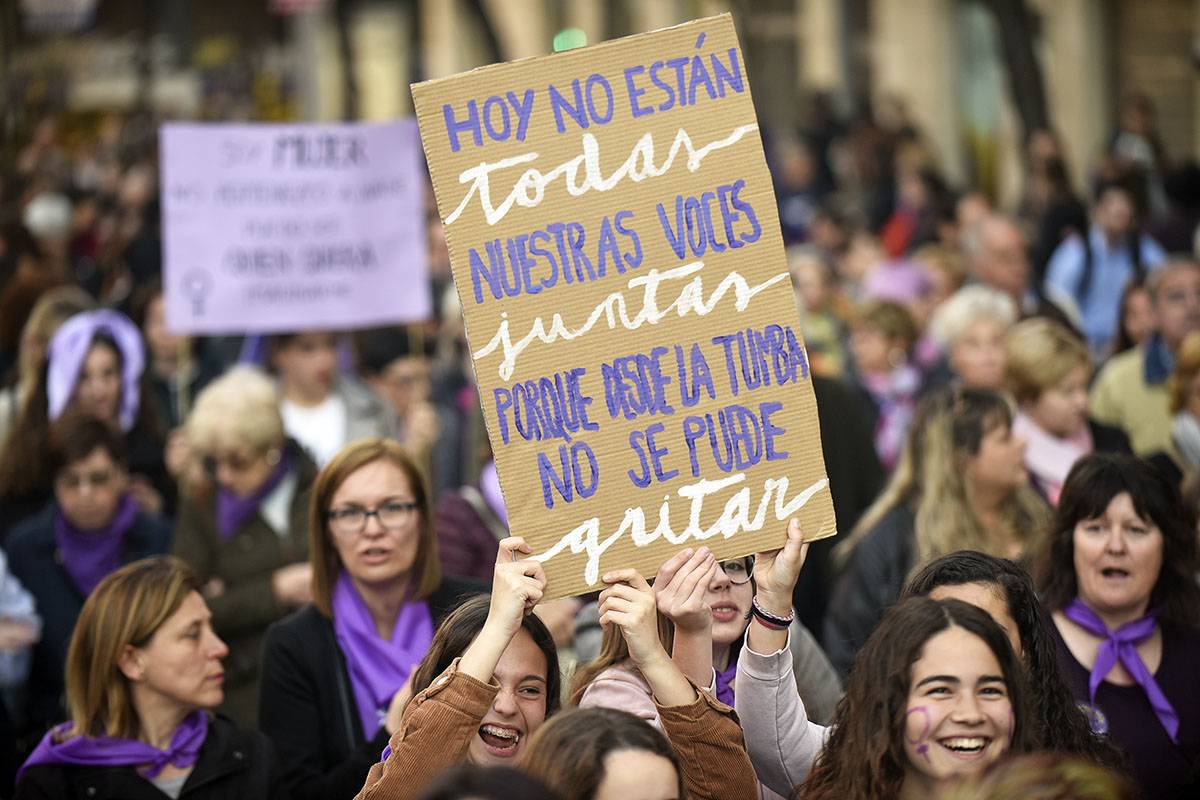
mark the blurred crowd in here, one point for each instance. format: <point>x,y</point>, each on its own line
<point>282,529</point>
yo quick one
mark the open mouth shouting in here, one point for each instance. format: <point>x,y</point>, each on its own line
<point>500,740</point>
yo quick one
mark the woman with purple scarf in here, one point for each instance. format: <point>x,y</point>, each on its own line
<point>91,528</point>
<point>94,365</point>
<point>243,524</point>
<point>144,672</point>
<point>335,674</point>
<point>1118,571</point>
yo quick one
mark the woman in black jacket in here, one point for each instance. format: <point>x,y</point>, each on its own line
<point>92,527</point>
<point>335,673</point>
<point>143,674</point>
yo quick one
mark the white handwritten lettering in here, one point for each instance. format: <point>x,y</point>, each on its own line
<point>613,310</point>
<point>585,537</point>
<point>530,188</point>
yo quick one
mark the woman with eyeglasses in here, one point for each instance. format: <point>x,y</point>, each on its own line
<point>91,528</point>
<point>243,522</point>
<point>336,673</point>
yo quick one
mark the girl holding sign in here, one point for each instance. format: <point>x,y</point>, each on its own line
<point>490,679</point>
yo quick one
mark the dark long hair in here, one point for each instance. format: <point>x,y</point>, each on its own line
<point>860,764</point>
<point>460,628</point>
<point>1090,486</point>
<point>25,467</point>
<point>568,752</point>
<point>1058,724</point>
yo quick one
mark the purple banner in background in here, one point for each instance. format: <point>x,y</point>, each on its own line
<point>293,227</point>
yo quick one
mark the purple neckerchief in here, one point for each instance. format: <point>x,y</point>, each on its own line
<point>112,751</point>
<point>489,487</point>
<point>1121,645</point>
<point>377,667</point>
<point>69,347</point>
<point>90,555</point>
<point>233,510</point>
<point>725,682</point>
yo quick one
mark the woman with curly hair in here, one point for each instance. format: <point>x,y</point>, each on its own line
<point>1118,571</point>
<point>940,678</point>
<point>1006,592</point>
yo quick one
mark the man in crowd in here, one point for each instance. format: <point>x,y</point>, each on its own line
<point>998,257</point>
<point>1131,391</point>
<point>1095,269</point>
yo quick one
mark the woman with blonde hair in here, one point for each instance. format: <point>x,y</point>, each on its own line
<point>143,675</point>
<point>1047,371</point>
<point>243,521</point>
<point>961,484</point>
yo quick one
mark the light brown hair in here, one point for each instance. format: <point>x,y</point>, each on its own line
<point>125,609</point>
<point>613,650</point>
<point>1039,354</point>
<point>326,564</point>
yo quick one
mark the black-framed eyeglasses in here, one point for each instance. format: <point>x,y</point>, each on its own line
<point>739,571</point>
<point>352,520</point>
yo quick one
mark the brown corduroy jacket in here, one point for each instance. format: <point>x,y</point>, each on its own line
<point>439,722</point>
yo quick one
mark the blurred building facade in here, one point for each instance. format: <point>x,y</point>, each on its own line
<point>940,63</point>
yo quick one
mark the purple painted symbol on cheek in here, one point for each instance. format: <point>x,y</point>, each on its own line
<point>923,711</point>
<point>924,751</point>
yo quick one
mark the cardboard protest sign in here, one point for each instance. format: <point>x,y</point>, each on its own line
<point>272,228</point>
<point>614,240</point>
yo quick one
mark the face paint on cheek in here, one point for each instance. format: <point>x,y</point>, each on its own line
<point>922,745</point>
<point>924,712</point>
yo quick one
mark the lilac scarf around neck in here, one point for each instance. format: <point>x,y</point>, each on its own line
<point>1121,645</point>
<point>234,511</point>
<point>377,667</point>
<point>90,555</point>
<point>113,751</point>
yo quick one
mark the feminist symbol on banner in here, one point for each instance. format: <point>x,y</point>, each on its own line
<point>197,286</point>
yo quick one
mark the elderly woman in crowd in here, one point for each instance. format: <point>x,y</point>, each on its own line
<point>960,484</point>
<point>335,673</point>
<point>91,528</point>
<point>1047,370</point>
<point>243,525</point>
<point>94,366</point>
<point>970,328</point>
<point>322,408</point>
<point>1118,571</point>
<point>143,675</point>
